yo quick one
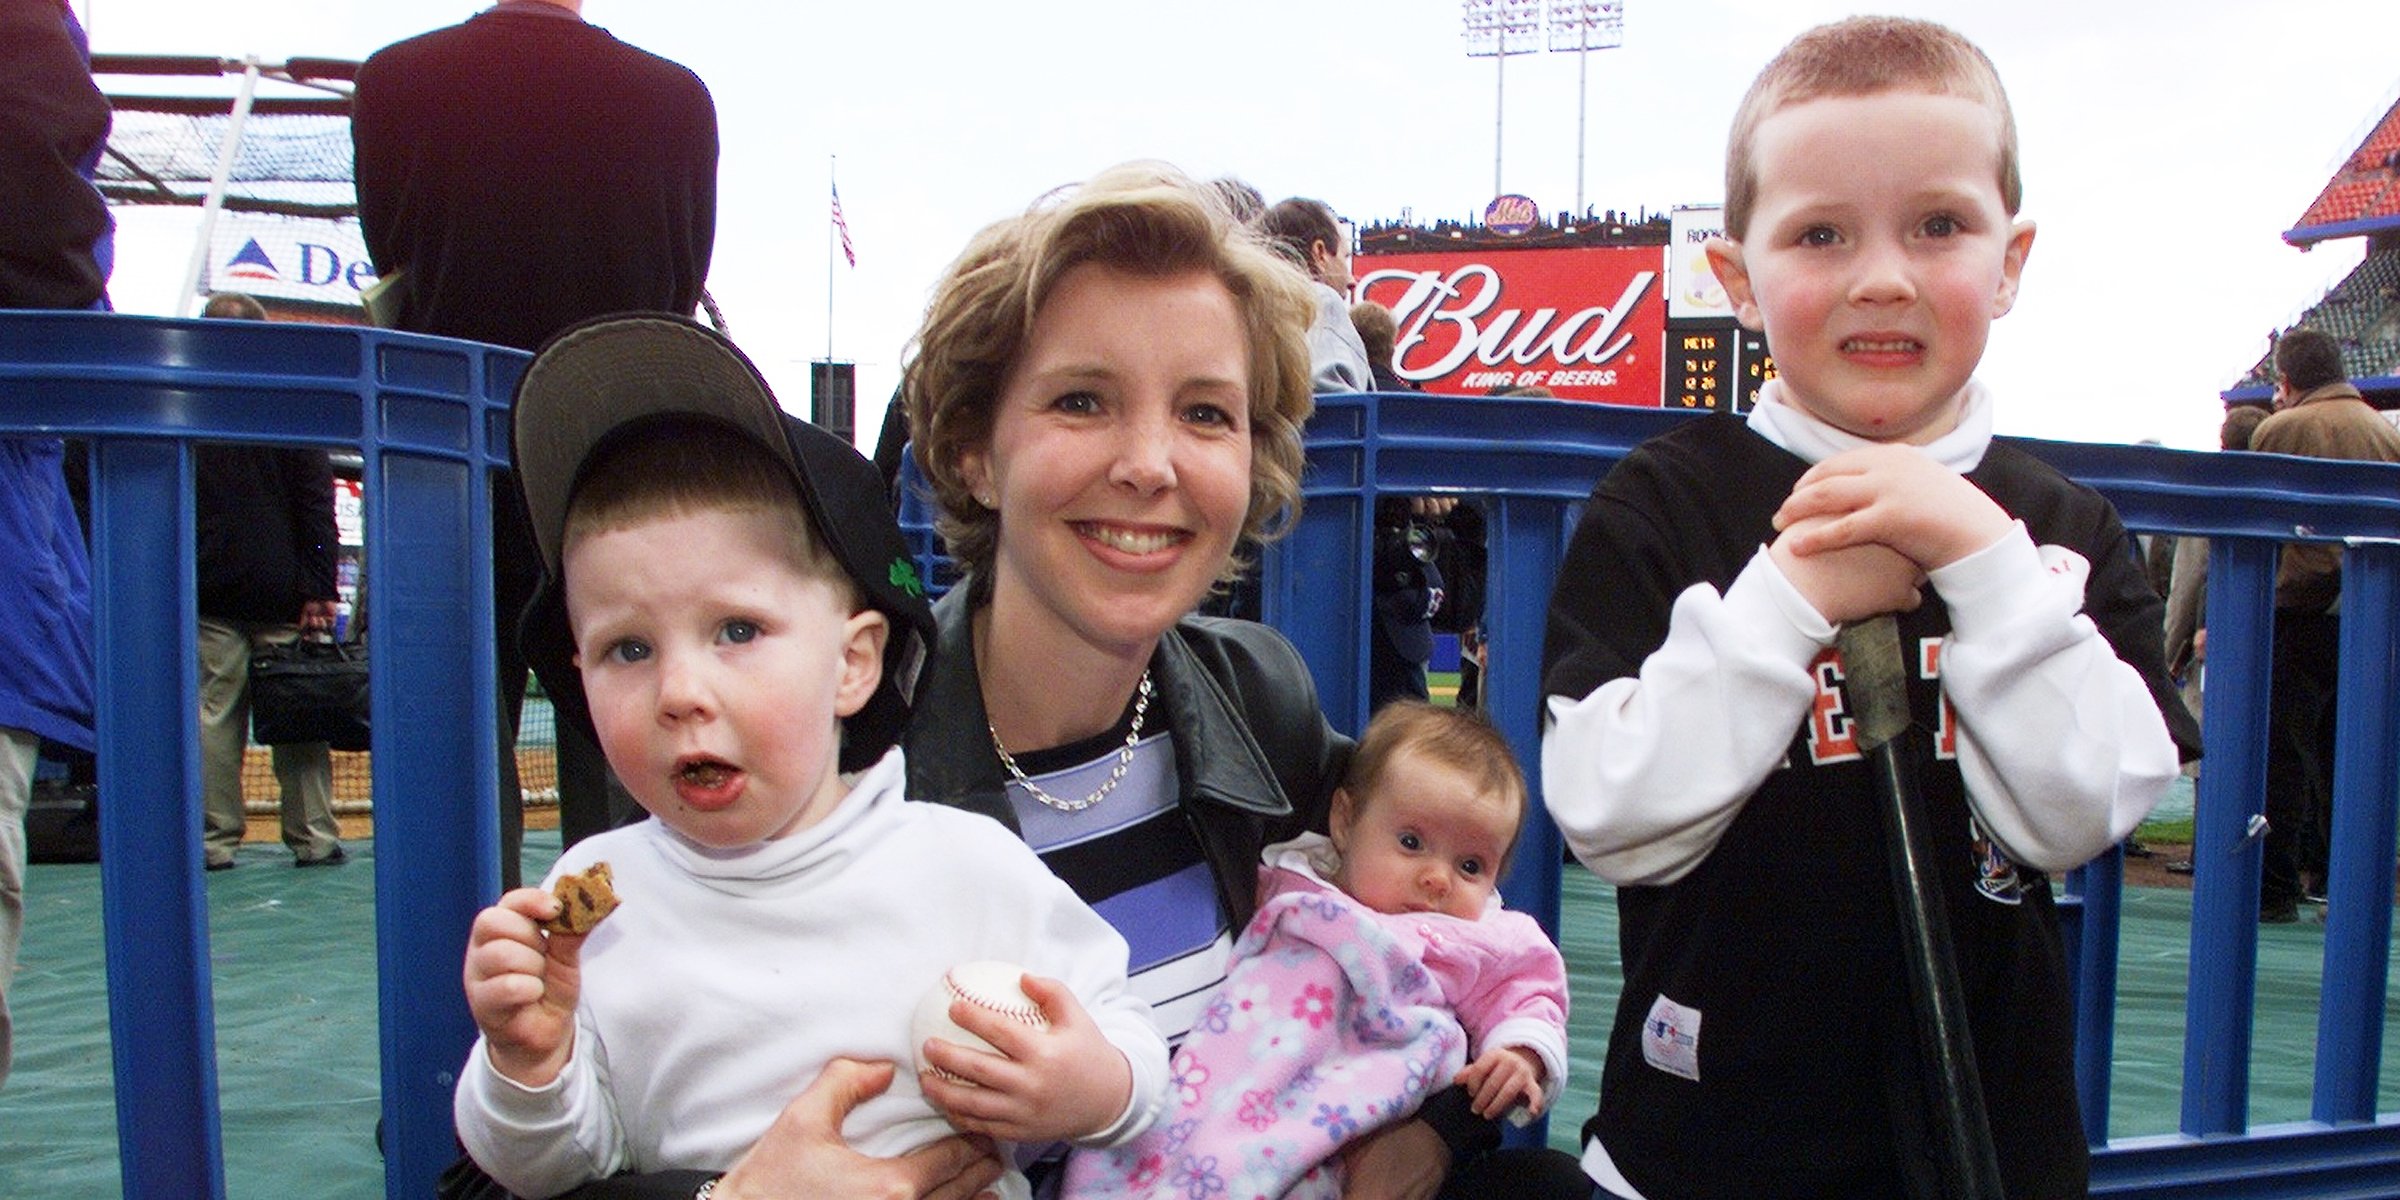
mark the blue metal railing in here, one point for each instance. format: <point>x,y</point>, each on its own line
<point>428,417</point>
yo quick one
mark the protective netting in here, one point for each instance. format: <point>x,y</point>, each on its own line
<point>291,163</point>
<point>353,782</point>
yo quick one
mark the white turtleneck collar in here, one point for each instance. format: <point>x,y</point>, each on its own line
<point>1775,419</point>
<point>875,790</point>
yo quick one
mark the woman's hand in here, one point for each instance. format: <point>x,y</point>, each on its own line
<point>1406,1161</point>
<point>802,1155</point>
<point>1066,1081</point>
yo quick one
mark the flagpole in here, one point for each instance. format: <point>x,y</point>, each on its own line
<point>836,188</point>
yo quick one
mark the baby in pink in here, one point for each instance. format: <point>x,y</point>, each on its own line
<point>1380,969</point>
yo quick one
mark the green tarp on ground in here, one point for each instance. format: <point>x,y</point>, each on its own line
<point>296,1035</point>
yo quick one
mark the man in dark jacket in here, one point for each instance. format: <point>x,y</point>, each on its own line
<point>264,518</point>
<point>2318,413</point>
<point>525,171</point>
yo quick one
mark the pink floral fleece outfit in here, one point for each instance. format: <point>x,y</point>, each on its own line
<point>1334,1021</point>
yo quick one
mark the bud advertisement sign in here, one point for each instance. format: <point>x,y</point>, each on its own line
<point>290,258</point>
<point>1588,324</point>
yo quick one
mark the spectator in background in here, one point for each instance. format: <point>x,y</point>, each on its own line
<point>1313,238</point>
<point>264,519</point>
<point>2187,586</point>
<point>1242,202</point>
<point>2320,415</point>
<point>524,170</point>
<point>1412,584</point>
<point>1377,331</point>
<point>1461,552</point>
<point>2187,596</point>
<point>1411,534</point>
<point>1408,591</point>
<point>53,254</point>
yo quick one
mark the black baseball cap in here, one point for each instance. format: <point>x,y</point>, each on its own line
<point>607,379</point>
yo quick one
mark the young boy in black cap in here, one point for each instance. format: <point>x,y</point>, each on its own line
<point>729,606</point>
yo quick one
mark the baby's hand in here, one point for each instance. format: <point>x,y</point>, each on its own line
<point>1066,1081</point>
<point>522,986</point>
<point>1895,496</point>
<point>1847,583</point>
<point>1501,1079</point>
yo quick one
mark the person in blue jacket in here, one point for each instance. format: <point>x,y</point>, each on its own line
<point>53,122</point>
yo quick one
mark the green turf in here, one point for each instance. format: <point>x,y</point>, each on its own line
<point>296,1036</point>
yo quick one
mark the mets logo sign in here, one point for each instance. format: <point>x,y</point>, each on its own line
<point>1511,214</point>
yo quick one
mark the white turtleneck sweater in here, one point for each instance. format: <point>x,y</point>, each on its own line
<point>725,981</point>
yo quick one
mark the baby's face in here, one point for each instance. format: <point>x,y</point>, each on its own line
<point>1428,839</point>
<point>1878,255</point>
<point>717,672</point>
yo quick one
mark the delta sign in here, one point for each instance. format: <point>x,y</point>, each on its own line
<point>324,262</point>
<point>1586,323</point>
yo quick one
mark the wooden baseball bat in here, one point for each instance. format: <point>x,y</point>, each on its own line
<point>1875,682</point>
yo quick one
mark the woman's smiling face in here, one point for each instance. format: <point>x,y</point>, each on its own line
<point>1119,460</point>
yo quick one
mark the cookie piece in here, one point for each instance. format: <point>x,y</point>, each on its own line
<point>582,901</point>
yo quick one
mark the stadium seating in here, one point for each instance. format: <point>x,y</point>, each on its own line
<point>2366,186</point>
<point>2362,312</point>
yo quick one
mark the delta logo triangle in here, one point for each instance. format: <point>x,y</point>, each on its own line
<point>252,263</point>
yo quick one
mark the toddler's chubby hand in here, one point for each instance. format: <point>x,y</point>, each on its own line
<point>1502,1078</point>
<point>1846,583</point>
<point>1066,1081</point>
<point>522,986</point>
<point>1891,495</point>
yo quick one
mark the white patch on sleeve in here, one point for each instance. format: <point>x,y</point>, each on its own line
<point>1671,1038</point>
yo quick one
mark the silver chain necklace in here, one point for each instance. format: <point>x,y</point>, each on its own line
<point>1141,705</point>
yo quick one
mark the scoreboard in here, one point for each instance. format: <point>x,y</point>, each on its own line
<point>1757,367</point>
<point>1702,372</point>
<point>1714,365</point>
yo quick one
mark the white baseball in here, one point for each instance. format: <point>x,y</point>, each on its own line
<point>996,986</point>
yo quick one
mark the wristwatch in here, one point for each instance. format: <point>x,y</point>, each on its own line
<point>708,1188</point>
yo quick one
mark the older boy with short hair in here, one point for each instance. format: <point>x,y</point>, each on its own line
<point>1699,753</point>
<point>729,605</point>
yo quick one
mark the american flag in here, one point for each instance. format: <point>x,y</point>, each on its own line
<point>843,227</point>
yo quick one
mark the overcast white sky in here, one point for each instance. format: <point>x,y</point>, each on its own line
<point>2166,147</point>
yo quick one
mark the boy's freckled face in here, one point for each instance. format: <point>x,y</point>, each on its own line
<point>717,671</point>
<point>1877,256</point>
<point>1430,839</point>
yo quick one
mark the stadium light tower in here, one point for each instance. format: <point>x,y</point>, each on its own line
<point>1584,26</point>
<point>1497,29</point>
